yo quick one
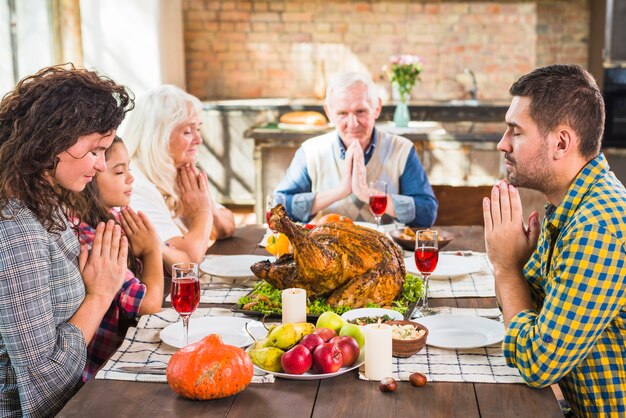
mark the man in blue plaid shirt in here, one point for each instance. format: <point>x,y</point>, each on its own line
<point>561,284</point>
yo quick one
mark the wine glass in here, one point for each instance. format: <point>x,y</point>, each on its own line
<point>185,292</point>
<point>378,199</point>
<point>271,200</point>
<point>426,258</point>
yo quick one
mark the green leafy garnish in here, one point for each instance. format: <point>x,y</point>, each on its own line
<point>266,299</point>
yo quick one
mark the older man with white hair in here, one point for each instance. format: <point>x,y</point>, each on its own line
<point>331,172</point>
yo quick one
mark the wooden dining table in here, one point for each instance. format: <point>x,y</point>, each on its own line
<point>341,396</point>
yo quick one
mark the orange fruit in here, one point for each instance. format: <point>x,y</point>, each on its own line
<point>333,217</point>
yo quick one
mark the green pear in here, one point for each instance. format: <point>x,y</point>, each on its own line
<point>267,358</point>
<point>304,328</point>
<point>284,336</point>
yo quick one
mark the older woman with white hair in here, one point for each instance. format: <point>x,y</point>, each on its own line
<point>163,135</point>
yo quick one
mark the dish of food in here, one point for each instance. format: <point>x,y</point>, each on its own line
<point>406,237</point>
<point>231,329</point>
<point>461,331</point>
<point>371,274</point>
<point>316,376</point>
<point>364,316</point>
<point>306,117</point>
<point>264,301</point>
<point>302,127</point>
<point>407,338</point>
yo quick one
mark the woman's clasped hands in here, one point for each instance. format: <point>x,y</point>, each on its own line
<point>104,267</point>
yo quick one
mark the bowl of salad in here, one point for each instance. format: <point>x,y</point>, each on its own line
<point>364,316</point>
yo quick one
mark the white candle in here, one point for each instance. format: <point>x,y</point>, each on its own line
<point>377,351</point>
<point>293,305</point>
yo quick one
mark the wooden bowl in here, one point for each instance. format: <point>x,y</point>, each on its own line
<point>409,244</point>
<point>407,348</point>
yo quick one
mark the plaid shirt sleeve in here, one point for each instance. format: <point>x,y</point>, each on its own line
<point>42,358</point>
<point>585,292</point>
<point>131,294</point>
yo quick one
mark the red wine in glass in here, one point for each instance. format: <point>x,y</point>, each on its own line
<point>185,292</point>
<point>378,204</point>
<point>426,259</point>
<point>185,295</point>
<point>378,199</point>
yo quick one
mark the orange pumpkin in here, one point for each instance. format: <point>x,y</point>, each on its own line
<point>333,217</point>
<point>209,369</point>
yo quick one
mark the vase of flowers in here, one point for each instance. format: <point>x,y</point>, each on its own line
<point>403,72</point>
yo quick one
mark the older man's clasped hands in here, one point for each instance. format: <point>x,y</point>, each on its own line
<point>354,173</point>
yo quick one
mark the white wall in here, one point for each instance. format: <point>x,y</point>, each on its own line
<point>138,43</point>
<point>34,41</point>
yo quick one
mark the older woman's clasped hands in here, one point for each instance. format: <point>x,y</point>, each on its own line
<point>195,199</point>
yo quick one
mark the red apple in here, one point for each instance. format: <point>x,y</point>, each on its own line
<point>298,360</point>
<point>349,348</point>
<point>327,358</point>
<point>325,333</point>
<point>311,341</point>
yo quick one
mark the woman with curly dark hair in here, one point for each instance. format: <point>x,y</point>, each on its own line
<point>54,128</point>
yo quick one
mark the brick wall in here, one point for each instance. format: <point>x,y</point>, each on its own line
<point>286,48</point>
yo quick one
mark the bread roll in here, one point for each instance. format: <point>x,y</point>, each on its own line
<point>303,118</point>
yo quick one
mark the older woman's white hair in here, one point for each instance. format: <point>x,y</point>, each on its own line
<point>147,135</point>
<point>343,81</point>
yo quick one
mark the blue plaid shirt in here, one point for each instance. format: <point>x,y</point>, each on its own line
<point>577,335</point>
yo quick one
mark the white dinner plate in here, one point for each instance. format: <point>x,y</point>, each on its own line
<point>231,329</point>
<point>231,266</point>
<point>461,331</point>
<point>316,376</point>
<point>371,225</point>
<point>371,313</point>
<point>449,265</point>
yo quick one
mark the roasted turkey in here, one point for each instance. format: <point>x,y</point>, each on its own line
<point>349,264</point>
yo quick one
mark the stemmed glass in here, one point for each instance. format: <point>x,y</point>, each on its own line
<point>378,200</point>
<point>426,258</point>
<point>185,292</point>
<point>271,200</point>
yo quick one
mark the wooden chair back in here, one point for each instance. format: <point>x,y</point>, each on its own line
<point>460,205</point>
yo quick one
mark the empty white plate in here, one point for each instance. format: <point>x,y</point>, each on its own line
<point>461,331</point>
<point>231,329</point>
<point>231,266</point>
<point>449,265</point>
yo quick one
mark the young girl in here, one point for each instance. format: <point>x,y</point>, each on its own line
<point>138,296</point>
<point>54,129</point>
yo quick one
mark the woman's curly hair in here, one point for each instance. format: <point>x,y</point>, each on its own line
<point>43,116</point>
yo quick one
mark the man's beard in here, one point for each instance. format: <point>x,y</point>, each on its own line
<point>537,177</point>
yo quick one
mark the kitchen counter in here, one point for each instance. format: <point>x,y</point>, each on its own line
<point>417,131</point>
<point>439,110</point>
<point>452,153</point>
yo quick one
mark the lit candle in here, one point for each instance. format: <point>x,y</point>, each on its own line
<point>377,351</point>
<point>294,305</point>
